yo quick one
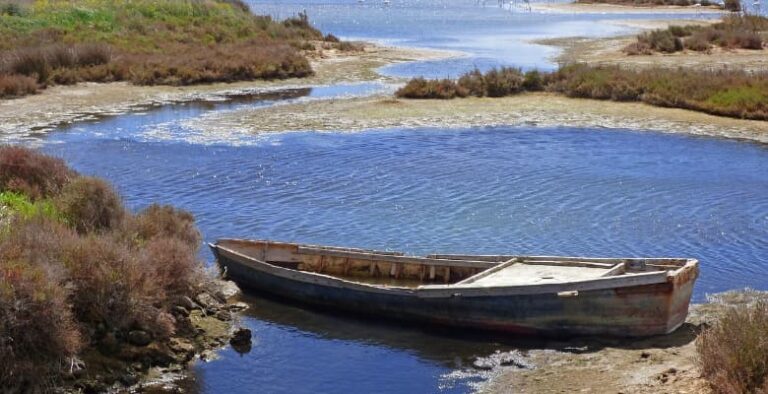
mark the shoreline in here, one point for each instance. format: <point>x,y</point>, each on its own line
<point>595,8</point>
<point>62,105</point>
<point>538,109</point>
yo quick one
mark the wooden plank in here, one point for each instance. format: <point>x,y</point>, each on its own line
<point>487,272</point>
<point>437,291</point>
<point>609,260</point>
<point>618,269</point>
<point>569,263</point>
<point>395,259</point>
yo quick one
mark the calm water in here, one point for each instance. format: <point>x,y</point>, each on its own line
<point>487,34</point>
<point>483,190</point>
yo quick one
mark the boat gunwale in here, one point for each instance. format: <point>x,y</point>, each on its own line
<point>457,289</point>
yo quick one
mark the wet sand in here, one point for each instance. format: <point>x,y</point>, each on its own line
<point>540,109</point>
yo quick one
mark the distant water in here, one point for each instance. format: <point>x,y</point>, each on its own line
<point>490,35</point>
<point>482,190</point>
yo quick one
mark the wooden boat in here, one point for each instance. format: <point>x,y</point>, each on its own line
<point>555,296</point>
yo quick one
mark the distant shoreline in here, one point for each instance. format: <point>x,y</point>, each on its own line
<point>582,8</point>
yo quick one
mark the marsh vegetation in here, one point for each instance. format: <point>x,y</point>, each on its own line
<point>730,93</point>
<point>177,42</point>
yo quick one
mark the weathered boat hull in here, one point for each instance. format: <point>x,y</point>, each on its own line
<point>642,310</point>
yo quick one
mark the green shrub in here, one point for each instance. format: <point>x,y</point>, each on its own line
<point>533,81</point>
<point>90,205</point>
<point>733,352</point>
<point>19,204</point>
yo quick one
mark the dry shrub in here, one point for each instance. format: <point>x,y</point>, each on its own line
<point>38,335</point>
<point>37,330</point>
<point>698,42</point>
<point>114,289</point>
<point>420,88</point>
<point>474,83</point>
<point>503,81</point>
<point>733,352</point>
<point>175,265</point>
<point>31,173</point>
<point>17,86</point>
<point>662,41</point>
<point>165,221</point>
<point>604,83</point>
<point>732,5</point>
<point>90,204</point>
<point>222,63</point>
<point>638,48</point>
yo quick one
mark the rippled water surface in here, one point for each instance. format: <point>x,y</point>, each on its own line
<point>520,190</point>
<point>499,190</point>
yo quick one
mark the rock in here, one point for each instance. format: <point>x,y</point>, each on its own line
<point>187,303</point>
<point>184,349</point>
<point>645,355</point>
<point>237,306</point>
<point>139,338</point>
<point>224,315</point>
<point>226,290</point>
<point>179,310</point>
<point>241,337</point>
<point>128,379</point>
<point>513,357</point>
<point>207,301</point>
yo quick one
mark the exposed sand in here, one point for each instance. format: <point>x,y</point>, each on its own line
<point>664,364</point>
<point>542,109</point>
<point>608,51</point>
<point>581,8</point>
<point>65,104</point>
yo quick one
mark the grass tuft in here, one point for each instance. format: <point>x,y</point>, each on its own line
<point>733,352</point>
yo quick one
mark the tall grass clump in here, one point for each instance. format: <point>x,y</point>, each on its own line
<point>733,352</point>
<point>78,270</point>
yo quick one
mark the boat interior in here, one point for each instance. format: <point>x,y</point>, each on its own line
<point>395,269</point>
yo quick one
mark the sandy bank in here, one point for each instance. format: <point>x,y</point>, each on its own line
<point>66,104</point>
<point>581,8</point>
<point>664,364</point>
<point>608,51</point>
<point>542,109</point>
